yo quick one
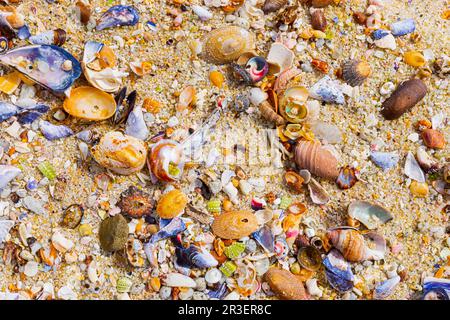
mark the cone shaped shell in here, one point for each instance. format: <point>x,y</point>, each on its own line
<point>312,156</point>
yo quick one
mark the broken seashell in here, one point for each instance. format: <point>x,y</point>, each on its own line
<point>347,177</point>
<point>384,289</point>
<point>90,103</point>
<point>426,162</point>
<point>412,168</point>
<point>174,279</point>
<point>384,160</point>
<point>294,180</point>
<point>234,224</point>
<point>56,37</point>
<point>141,68</point>
<point>311,155</point>
<point>327,90</point>
<point>293,105</point>
<point>354,72</point>
<point>285,284</point>
<point>84,10</point>
<point>280,55</point>
<point>187,98</point>
<point>136,126</point>
<point>371,215</point>
<point>338,271</point>
<point>53,132</point>
<point>226,44</point>
<point>406,96</point>
<point>317,193</point>
<point>116,16</point>
<point>318,20</point>
<point>120,153</point>
<point>61,243</point>
<point>171,204</point>
<point>7,174</point>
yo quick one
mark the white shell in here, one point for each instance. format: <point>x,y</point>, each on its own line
<point>213,276</point>
<point>108,80</point>
<point>256,96</point>
<point>61,243</point>
<point>136,126</point>
<point>31,269</point>
<point>5,226</point>
<point>264,216</point>
<point>317,193</point>
<point>281,55</point>
<point>203,13</point>
<point>178,280</point>
<point>7,173</point>
<point>412,168</point>
<point>313,289</point>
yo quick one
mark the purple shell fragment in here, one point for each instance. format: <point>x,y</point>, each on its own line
<point>403,27</point>
<point>54,132</point>
<point>118,16</point>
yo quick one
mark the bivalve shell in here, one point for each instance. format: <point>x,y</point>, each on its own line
<point>234,224</point>
<point>433,139</point>
<point>273,5</point>
<point>371,215</point>
<point>285,284</point>
<point>90,103</point>
<point>355,72</point>
<point>226,44</point>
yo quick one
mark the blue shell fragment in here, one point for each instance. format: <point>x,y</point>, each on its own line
<point>174,227</point>
<point>265,238</point>
<point>24,33</point>
<point>378,34</point>
<point>193,256</point>
<point>43,64</point>
<point>7,110</point>
<point>54,132</point>
<point>118,16</point>
<point>219,293</point>
<point>436,289</point>
<point>338,271</point>
<point>403,27</point>
<point>384,160</point>
<point>385,288</point>
<point>31,114</point>
<point>327,90</point>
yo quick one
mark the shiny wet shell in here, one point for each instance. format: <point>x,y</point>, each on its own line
<point>234,224</point>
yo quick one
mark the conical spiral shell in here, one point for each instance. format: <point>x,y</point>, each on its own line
<point>312,156</point>
<point>350,243</point>
<point>226,44</point>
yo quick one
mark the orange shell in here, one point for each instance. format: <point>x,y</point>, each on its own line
<point>312,156</point>
<point>234,224</point>
<point>90,103</point>
<point>350,243</point>
<point>286,285</point>
<point>171,204</point>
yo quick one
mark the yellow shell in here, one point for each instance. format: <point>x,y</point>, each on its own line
<point>234,224</point>
<point>171,204</point>
<point>90,103</point>
<point>414,58</point>
<point>216,78</point>
<point>293,104</point>
<point>226,44</point>
<point>419,189</point>
<point>120,153</point>
<point>10,82</point>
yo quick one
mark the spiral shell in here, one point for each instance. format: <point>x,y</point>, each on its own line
<point>406,96</point>
<point>349,242</point>
<point>120,153</point>
<point>294,180</point>
<point>285,284</point>
<point>226,44</point>
<point>354,72</point>
<point>311,155</point>
<point>293,105</point>
<point>166,160</point>
<point>234,224</point>
<point>269,114</point>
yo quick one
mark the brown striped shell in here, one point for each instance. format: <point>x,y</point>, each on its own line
<point>285,285</point>
<point>226,44</point>
<point>273,5</point>
<point>234,224</point>
<point>406,96</point>
<point>311,155</point>
<point>354,72</point>
<point>349,242</point>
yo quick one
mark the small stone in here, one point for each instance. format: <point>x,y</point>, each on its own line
<point>113,233</point>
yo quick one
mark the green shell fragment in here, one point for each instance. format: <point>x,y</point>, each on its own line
<point>285,202</point>
<point>234,250</point>
<point>123,285</point>
<point>47,170</point>
<point>214,206</point>
<point>228,268</point>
